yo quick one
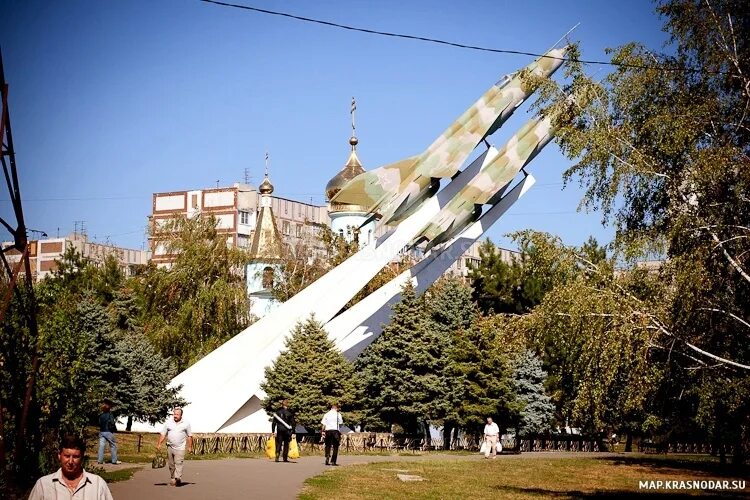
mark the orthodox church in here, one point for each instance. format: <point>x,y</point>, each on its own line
<point>268,244</point>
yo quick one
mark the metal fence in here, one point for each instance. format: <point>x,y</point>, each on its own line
<point>363,442</point>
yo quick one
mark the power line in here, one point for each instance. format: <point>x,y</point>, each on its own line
<point>281,195</point>
<point>459,45</point>
<point>88,198</point>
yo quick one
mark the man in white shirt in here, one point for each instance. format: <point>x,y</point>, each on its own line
<point>177,433</point>
<point>70,480</point>
<point>491,434</point>
<point>330,428</point>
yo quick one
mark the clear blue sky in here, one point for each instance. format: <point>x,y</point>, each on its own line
<point>113,101</point>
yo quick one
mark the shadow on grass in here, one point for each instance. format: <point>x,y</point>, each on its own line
<point>615,494</point>
<point>705,464</point>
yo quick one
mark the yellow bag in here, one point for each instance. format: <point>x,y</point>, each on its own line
<point>271,448</point>
<point>293,449</point>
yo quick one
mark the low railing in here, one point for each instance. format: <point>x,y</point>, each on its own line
<point>364,442</point>
<point>561,443</point>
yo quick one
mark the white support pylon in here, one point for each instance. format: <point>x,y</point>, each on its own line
<point>357,327</point>
<point>226,379</point>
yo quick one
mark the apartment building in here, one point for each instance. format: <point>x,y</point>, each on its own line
<point>44,255</point>
<point>235,208</point>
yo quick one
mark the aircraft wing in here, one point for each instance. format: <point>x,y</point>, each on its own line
<point>449,151</point>
<point>517,153</point>
<point>370,189</point>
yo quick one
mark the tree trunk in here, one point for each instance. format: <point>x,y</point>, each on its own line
<point>129,425</point>
<point>738,455</point>
<point>629,442</point>
<point>447,432</point>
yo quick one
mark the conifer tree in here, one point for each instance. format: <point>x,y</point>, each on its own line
<point>312,374</point>
<point>451,310</point>
<point>143,392</point>
<point>538,409</point>
<point>400,370</point>
<point>483,372</point>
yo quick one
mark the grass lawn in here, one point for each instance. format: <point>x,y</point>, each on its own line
<point>115,475</point>
<point>520,477</point>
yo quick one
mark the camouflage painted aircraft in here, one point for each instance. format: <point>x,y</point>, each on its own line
<point>397,190</point>
<point>489,184</point>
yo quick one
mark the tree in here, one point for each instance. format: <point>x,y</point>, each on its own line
<point>481,366</point>
<point>144,393</point>
<point>81,341</point>
<point>400,371</point>
<point>538,410</point>
<point>200,302</point>
<point>495,282</point>
<point>312,374</point>
<point>512,286</point>
<point>591,329</point>
<point>450,311</point>
<point>662,148</point>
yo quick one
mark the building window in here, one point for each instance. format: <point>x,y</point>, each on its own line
<point>299,230</point>
<point>286,206</point>
<point>285,228</point>
<point>244,217</point>
<point>268,278</point>
<point>194,201</point>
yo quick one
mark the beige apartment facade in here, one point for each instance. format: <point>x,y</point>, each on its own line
<point>44,255</point>
<point>236,209</point>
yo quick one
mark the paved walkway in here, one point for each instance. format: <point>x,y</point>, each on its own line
<point>243,478</point>
<point>262,478</point>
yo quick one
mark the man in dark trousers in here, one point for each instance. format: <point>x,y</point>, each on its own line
<point>283,426</point>
<point>330,427</point>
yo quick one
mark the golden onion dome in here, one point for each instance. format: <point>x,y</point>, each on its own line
<point>352,169</point>
<point>265,187</point>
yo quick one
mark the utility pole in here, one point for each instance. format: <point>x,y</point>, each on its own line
<point>27,303</point>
